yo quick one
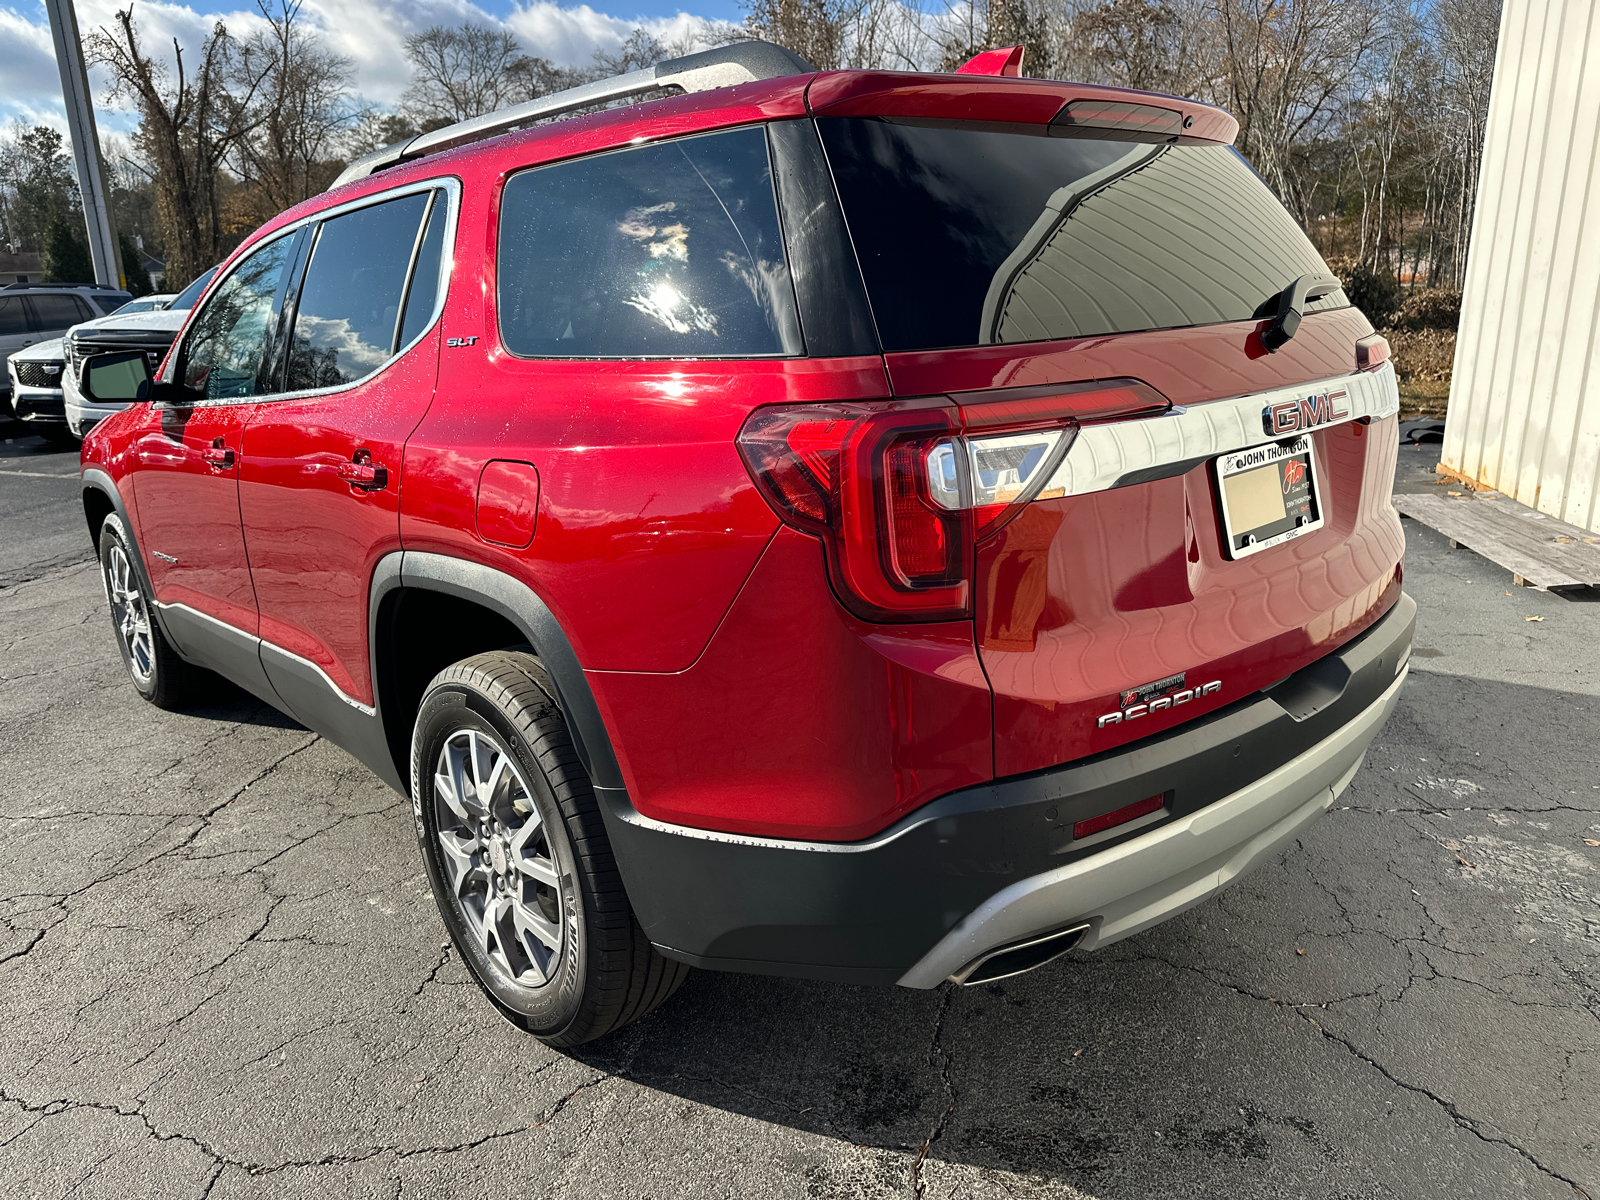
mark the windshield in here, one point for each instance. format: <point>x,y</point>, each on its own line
<point>190,295</point>
<point>972,237</point>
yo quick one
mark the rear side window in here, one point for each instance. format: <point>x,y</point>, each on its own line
<point>971,237</point>
<point>424,291</point>
<point>59,311</point>
<point>667,250</point>
<point>348,313</point>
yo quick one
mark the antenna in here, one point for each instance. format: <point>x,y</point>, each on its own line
<point>724,66</point>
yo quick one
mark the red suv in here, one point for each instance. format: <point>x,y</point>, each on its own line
<point>871,526</point>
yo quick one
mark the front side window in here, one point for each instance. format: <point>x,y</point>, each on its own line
<point>228,339</point>
<point>667,250</point>
<point>347,317</point>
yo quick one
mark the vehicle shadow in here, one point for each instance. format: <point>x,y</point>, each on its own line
<point>1110,1072</point>
<point>1282,1039</point>
<point>19,441</point>
<point>224,701</point>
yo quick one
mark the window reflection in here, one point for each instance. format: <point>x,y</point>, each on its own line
<point>672,249</point>
<point>349,305</point>
<point>223,352</point>
<point>972,236</point>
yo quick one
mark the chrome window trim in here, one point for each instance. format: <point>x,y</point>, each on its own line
<point>1104,455</point>
<point>449,184</point>
<point>364,709</point>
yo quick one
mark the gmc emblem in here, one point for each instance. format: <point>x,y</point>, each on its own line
<point>1296,416</point>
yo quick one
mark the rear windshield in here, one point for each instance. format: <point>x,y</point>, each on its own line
<point>971,237</point>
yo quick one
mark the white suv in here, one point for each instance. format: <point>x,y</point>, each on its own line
<point>152,332</point>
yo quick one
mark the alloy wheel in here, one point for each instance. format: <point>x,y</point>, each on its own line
<point>131,615</point>
<point>497,857</point>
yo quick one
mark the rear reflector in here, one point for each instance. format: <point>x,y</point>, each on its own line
<point>1122,816</point>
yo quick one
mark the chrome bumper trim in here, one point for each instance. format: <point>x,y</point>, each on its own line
<point>1103,455</point>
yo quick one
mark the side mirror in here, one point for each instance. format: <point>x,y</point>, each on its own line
<point>116,377</point>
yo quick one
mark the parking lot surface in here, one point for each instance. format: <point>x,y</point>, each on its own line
<point>221,972</point>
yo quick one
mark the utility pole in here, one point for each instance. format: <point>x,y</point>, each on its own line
<point>85,144</point>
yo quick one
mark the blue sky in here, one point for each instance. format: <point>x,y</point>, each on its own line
<point>369,32</point>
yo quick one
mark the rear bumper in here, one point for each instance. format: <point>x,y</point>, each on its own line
<point>992,865</point>
<point>1157,875</point>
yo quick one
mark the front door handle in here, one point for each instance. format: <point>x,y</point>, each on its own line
<point>218,456</point>
<point>362,473</point>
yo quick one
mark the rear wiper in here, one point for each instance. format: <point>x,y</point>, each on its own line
<point>1291,307</point>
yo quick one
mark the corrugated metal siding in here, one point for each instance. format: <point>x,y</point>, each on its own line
<point>1524,412</point>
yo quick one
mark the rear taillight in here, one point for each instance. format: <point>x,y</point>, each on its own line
<point>856,475</point>
<point>901,491</point>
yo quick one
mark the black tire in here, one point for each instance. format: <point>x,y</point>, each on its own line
<point>158,674</point>
<point>604,973</point>
<point>59,435</point>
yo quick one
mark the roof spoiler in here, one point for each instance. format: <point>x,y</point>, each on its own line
<point>724,66</point>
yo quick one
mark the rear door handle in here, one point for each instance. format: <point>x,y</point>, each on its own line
<point>218,456</point>
<point>361,472</point>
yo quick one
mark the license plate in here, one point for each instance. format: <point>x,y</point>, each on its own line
<point>1269,496</point>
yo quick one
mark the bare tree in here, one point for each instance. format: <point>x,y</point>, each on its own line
<point>972,26</point>
<point>1467,32</point>
<point>190,122</point>
<point>817,30</point>
<point>1285,62</point>
<point>1152,45</point>
<point>303,109</point>
<point>467,71</point>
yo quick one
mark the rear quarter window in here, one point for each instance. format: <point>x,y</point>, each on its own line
<point>667,250</point>
<point>59,311</point>
<point>972,236</point>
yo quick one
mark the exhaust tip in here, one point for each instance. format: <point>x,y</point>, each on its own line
<point>1020,956</point>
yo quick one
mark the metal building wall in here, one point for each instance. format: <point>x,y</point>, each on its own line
<point>1524,413</point>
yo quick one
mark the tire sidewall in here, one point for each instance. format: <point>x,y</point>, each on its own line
<point>113,535</point>
<point>550,1008</point>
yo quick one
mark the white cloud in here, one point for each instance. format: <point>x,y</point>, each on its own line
<point>370,32</point>
<point>30,87</point>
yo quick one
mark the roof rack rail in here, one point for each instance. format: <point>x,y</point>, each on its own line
<point>58,286</point>
<point>724,66</point>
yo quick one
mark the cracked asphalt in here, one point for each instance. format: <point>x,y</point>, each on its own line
<point>221,973</point>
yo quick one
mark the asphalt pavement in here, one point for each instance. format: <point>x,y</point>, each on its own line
<point>221,973</point>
